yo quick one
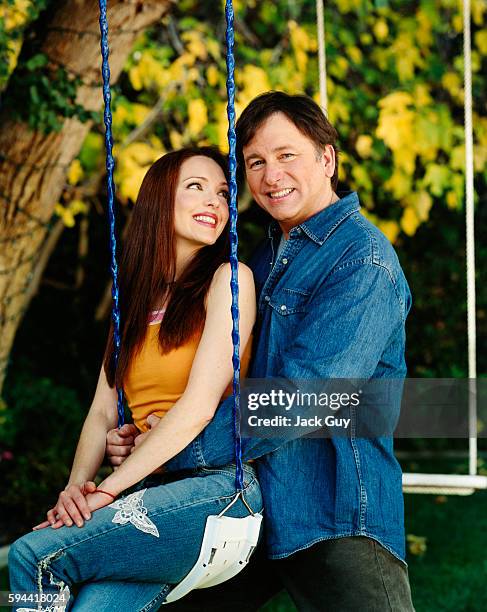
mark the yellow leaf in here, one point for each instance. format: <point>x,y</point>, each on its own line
<point>120,115</point>
<point>141,153</point>
<point>405,159</point>
<point>339,67</point>
<point>223,133</point>
<point>478,9</point>
<point>396,100</point>
<point>300,45</point>
<point>364,145</point>
<point>346,6</point>
<point>129,187</point>
<point>453,84</point>
<point>476,62</point>
<point>195,44</point>
<point>381,29</point>
<point>479,158</point>
<point>422,203</point>
<point>75,172</point>
<point>452,200</point>
<point>337,111</point>
<point>212,75</point>
<point>135,78</point>
<point>78,206</point>
<point>416,544</point>
<point>149,73</point>
<point>399,184</point>
<point>481,130</point>
<point>213,48</point>
<point>198,116</point>
<point>457,185</point>
<point>409,221</point>
<point>390,228</point>
<point>313,44</point>
<point>362,178</point>
<point>457,22</point>
<point>396,121</point>
<point>365,38</point>
<point>178,69</point>
<point>133,161</point>
<point>422,95</point>
<point>437,178</point>
<point>343,167</point>
<point>423,31</point>
<point>15,16</point>
<point>253,81</point>
<point>457,157</point>
<point>177,141</point>
<point>355,54</point>
<point>481,41</point>
<point>65,214</point>
<point>156,143</point>
<point>139,112</point>
<point>299,37</point>
<point>431,133</point>
<point>408,56</point>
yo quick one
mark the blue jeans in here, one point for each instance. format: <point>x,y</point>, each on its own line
<point>128,556</point>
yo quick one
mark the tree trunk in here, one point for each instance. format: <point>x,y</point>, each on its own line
<point>33,165</point>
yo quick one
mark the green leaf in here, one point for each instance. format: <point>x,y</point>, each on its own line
<point>37,61</point>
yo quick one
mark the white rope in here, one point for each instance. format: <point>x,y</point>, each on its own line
<point>320,23</point>
<point>469,211</point>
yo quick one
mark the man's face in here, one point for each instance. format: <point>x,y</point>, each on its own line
<point>287,175</point>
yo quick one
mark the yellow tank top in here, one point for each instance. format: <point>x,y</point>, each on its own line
<point>155,382</point>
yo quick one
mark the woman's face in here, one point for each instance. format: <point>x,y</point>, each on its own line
<point>201,206</point>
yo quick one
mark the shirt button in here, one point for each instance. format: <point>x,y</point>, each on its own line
<point>283,307</point>
<point>267,298</point>
<point>284,261</point>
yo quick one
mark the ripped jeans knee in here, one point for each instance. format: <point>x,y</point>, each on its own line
<point>49,593</point>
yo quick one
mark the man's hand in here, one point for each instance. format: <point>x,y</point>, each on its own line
<point>120,443</point>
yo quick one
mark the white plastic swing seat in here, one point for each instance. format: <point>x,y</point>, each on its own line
<point>226,549</point>
<point>446,484</point>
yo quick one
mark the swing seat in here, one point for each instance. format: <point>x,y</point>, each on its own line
<point>226,549</point>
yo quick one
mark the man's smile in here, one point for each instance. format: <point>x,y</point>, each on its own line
<point>281,194</point>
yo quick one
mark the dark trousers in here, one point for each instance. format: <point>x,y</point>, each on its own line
<point>343,575</point>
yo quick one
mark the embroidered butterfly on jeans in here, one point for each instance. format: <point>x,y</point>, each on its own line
<point>132,510</point>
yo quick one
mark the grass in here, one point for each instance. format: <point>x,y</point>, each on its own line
<point>452,573</point>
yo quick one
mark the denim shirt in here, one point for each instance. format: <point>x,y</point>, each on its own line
<point>333,305</point>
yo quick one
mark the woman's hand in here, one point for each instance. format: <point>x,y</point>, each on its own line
<point>72,507</point>
<point>98,500</point>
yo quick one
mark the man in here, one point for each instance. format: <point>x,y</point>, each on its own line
<point>332,304</point>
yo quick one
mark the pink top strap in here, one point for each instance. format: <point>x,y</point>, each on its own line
<point>156,316</point>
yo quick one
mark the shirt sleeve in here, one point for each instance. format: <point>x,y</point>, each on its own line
<point>348,324</point>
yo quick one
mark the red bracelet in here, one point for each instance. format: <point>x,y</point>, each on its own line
<point>106,493</point>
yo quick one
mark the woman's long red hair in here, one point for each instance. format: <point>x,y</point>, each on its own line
<point>148,265</point>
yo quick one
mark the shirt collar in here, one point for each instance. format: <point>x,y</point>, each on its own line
<point>319,226</point>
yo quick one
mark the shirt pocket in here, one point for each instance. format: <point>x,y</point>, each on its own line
<point>290,301</point>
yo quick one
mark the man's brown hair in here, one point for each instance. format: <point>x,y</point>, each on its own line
<point>301,110</point>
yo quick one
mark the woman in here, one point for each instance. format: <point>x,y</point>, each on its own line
<point>175,362</point>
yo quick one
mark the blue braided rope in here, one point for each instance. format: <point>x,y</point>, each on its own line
<point>232,163</point>
<point>110,163</point>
